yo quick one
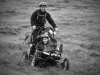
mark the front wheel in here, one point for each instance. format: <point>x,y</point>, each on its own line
<point>65,64</point>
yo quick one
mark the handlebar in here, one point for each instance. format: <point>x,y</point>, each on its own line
<point>53,51</point>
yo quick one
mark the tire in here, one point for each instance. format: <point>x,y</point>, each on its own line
<point>65,64</point>
<point>24,56</point>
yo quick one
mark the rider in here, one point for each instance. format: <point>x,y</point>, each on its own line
<point>38,19</point>
<point>45,43</point>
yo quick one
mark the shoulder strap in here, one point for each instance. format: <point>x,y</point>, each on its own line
<point>45,17</point>
<point>37,15</point>
<point>45,14</point>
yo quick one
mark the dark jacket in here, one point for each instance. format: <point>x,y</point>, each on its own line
<point>45,47</point>
<point>34,20</point>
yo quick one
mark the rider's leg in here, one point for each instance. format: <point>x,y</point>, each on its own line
<point>32,50</point>
<point>33,36</point>
<point>33,42</point>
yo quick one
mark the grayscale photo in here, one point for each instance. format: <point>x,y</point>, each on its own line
<point>49,37</point>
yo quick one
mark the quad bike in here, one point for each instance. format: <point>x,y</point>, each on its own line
<point>51,58</point>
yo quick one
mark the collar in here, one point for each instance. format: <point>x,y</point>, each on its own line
<point>42,12</point>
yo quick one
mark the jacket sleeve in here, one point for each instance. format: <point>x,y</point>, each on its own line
<point>33,18</point>
<point>50,20</point>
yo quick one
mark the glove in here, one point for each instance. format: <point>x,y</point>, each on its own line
<point>30,45</point>
<point>33,27</point>
<point>56,29</point>
<point>55,32</point>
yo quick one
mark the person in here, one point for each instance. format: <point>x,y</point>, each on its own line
<point>44,43</point>
<point>38,19</point>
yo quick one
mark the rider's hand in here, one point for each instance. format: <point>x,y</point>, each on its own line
<point>56,29</point>
<point>55,32</point>
<point>33,27</point>
<point>30,45</point>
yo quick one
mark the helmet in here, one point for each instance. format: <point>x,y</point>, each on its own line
<point>45,35</point>
<point>43,4</point>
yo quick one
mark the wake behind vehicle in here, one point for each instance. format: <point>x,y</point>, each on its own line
<point>45,58</point>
